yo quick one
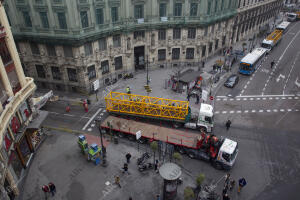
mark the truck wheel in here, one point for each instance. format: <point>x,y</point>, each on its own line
<point>131,137</point>
<point>191,155</point>
<point>120,135</point>
<point>203,129</point>
<point>176,125</point>
<point>217,165</point>
<point>181,150</point>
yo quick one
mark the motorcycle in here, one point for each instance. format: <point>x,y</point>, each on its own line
<point>143,158</point>
<point>144,167</point>
<point>127,76</point>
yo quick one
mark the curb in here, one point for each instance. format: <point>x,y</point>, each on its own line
<point>67,130</point>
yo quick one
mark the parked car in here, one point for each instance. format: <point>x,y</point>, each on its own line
<point>231,81</point>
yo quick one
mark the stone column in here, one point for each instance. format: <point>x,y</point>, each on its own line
<point>5,80</point>
<point>12,47</point>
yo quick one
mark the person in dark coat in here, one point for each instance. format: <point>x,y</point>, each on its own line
<point>125,168</point>
<point>272,64</point>
<point>52,188</point>
<point>156,166</point>
<point>242,183</point>
<point>226,197</point>
<point>228,124</point>
<point>46,191</point>
<point>128,156</point>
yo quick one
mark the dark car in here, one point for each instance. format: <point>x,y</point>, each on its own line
<point>231,81</point>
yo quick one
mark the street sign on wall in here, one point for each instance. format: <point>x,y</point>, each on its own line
<point>138,135</point>
<point>204,95</point>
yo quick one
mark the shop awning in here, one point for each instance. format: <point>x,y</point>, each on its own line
<point>36,123</point>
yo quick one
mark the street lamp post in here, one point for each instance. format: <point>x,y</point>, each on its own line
<point>147,82</point>
<point>103,149</point>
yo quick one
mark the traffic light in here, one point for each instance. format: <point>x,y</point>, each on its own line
<point>147,88</point>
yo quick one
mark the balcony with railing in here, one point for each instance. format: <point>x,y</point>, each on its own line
<point>13,104</point>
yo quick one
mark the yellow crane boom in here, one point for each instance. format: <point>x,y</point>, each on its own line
<point>139,105</point>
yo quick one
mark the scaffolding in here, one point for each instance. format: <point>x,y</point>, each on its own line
<point>138,105</point>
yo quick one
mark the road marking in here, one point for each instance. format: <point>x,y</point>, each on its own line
<point>218,99</point>
<point>246,111</point>
<point>245,99</point>
<point>257,98</point>
<point>89,129</point>
<point>245,87</point>
<point>231,111</point>
<point>86,125</point>
<point>281,110</point>
<point>253,111</point>
<point>224,112</point>
<point>289,110</point>
<point>275,110</point>
<point>69,115</point>
<point>231,99</point>
<point>238,111</point>
<point>217,112</point>
<point>290,72</point>
<point>261,111</point>
<point>277,98</point>
<point>238,99</point>
<point>270,98</point>
<point>296,97</point>
<point>265,98</point>
<point>268,110</point>
<point>290,98</point>
<point>251,99</point>
<point>224,99</point>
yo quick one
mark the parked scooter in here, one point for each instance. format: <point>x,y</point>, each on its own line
<point>144,167</point>
<point>143,158</point>
<point>127,76</point>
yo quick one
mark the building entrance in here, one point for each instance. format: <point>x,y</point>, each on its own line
<point>139,57</point>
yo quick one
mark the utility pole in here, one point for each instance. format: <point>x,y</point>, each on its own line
<point>147,81</point>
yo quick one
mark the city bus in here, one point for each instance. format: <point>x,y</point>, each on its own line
<point>283,26</point>
<point>251,61</point>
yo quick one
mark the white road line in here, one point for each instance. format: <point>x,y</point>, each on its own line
<point>224,112</point>
<point>244,99</point>
<point>248,82</point>
<point>86,125</point>
<point>242,91</point>
<point>289,110</point>
<point>297,110</point>
<point>264,98</point>
<point>270,98</point>
<point>268,110</point>
<point>69,115</point>
<point>238,99</point>
<point>257,98</point>
<point>218,99</point>
<point>282,97</point>
<point>251,99</point>
<point>296,97</point>
<point>261,111</point>
<point>245,87</point>
<point>232,111</point>
<point>290,98</point>
<point>275,110</point>
<point>246,111</point>
<point>281,110</point>
<point>290,72</point>
<point>238,111</point>
<point>217,112</point>
<point>269,95</point>
<point>277,98</point>
<point>231,99</point>
<point>224,99</point>
<point>253,111</point>
<point>251,79</point>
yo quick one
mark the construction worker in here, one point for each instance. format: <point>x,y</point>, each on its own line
<point>128,90</point>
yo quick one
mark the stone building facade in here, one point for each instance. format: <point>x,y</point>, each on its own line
<point>253,16</point>
<point>69,44</point>
<point>15,112</point>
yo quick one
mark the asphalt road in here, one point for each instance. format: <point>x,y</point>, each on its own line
<point>264,109</point>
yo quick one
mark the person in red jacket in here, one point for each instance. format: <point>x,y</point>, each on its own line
<point>46,191</point>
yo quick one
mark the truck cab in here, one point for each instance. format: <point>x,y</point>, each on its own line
<point>267,44</point>
<point>291,17</point>
<point>227,154</point>
<point>204,119</point>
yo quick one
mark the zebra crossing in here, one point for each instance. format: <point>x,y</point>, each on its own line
<point>256,111</point>
<point>257,98</point>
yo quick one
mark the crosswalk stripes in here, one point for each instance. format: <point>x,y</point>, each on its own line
<point>256,98</point>
<point>255,111</point>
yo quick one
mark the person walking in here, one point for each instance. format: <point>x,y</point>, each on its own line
<point>228,124</point>
<point>226,197</point>
<point>52,188</point>
<point>156,166</point>
<point>225,189</point>
<point>231,184</point>
<point>227,179</point>
<point>117,181</point>
<point>46,191</point>
<point>158,197</point>
<point>128,156</point>
<point>128,90</point>
<point>125,168</point>
<point>188,97</point>
<point>242,183</point>
<point>272,64</point>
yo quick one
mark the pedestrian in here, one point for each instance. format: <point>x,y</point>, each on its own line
<point>228,124</point>
<point>117,181</point>
<point>125,168</point>
<point>242,183</point>
<point>128,90</point>
<point>130,198</point>
<point>227,179</point>
<point>68,108</point>
<point>197,101</point>
<point>158,197</point>
<point>203,64</point>
<point>188,97</point>
<point>226,197</point>
<point>272,64</point>
<point>156,166</point>
<point>225,189</point>
<point>52,188</point>
<point>232,184</point>
<point>46,190</point>
<point>128,156</point>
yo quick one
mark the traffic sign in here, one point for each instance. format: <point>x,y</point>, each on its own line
<point>138,135</point>
<point>211,98</point>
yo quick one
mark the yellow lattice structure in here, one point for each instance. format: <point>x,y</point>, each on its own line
<point>275,35</point>
<point>133,104</point>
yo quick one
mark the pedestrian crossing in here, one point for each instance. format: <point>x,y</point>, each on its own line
<point>255,111</point>
<point>261,98</point>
